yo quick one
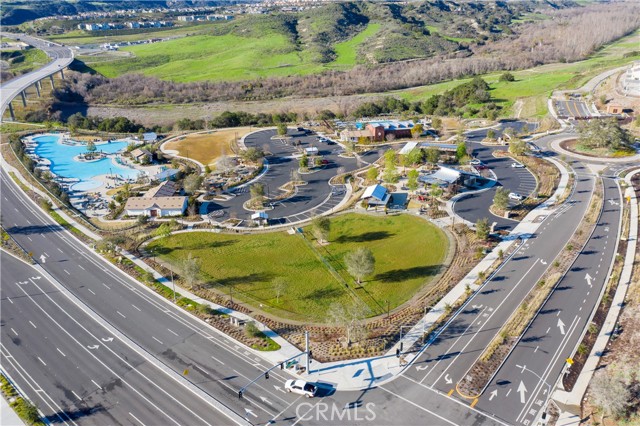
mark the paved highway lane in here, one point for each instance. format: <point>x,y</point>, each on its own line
<point>73,368</point>
<point>446,360</point>
<point>521,387</point>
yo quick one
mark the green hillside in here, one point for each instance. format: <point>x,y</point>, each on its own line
<point>334,36</point>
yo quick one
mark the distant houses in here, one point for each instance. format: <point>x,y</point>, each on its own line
<point>215,17</point>
<point>106,26</point>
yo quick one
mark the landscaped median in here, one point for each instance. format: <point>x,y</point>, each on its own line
<point>25,409</point>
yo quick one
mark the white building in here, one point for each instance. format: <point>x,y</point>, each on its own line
<point>631,80</point>
<point>156,206</point>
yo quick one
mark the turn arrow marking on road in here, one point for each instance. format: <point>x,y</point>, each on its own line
<point>93,347</point>
<point>249,412</point>
<point>588,278</point>
<point>493,394</point>
<point>448,379</point>
<point>421,367</point>
<point>561,326</point>
<point>108,339</point>
<point>522,390</point>
<point>265,400</point>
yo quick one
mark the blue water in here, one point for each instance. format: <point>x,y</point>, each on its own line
<point>63,164</point>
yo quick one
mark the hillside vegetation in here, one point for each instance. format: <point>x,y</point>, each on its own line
<point>336,36</point>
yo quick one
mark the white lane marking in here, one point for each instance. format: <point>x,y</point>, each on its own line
<point>136,307</point>
<point>121,314</point>
<point>66,272</point>
<point>217,360</point>
<point>173,332</point>
<point>548,329</point>
<point>138,420</point>
<point>415,405</point>
<point>96,383</point>
<point>508,392</point>
<point>29,238</point>
<point>106,286</point>
<point>10,301</point>
<point>14,332</point>
<point>76,395</point>
<point>62,353</point>
<point>536,349</point>
<point>45,253</point>
<point>159,341</point>
<point>91,291</point>
<point>34,326</point>
<point>81,267</point>
<point>59,250</point>
<point>43,363</point>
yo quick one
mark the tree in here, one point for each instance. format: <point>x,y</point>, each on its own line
<point>372,174</point>
<point>360,263</point>
<point>518,147</point>
<point>605,133</point>
<point>412,182</point>
<point>416,131</point>
<point>163,231</point>
<point>279,287</point>
<point>91,147</point>
<point>491,134</point>
<point>257,191</point>
<point>304,161</point>
<point>436,123</point>
<point>610,393</point>
<point>282,129</point>
<point>192,183</point>
<point>482,228</point>
<point>190,268</point>
<point>350,319</point>
<point>433,155</point>
<point>461,150</point>
<point>501,199</point>
<point>416,156</point>
<point>321,227</point>
<point>390,157</point>
<point>507,76</point>
<point>252,154</point>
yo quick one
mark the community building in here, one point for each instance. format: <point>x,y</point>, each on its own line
<point>446,176</point>
<point>141,155</point>
<point>378,131</point>
<point>376,196</point>
<point>156,206</point>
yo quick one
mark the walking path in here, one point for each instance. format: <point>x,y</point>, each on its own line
<point>570,402</point>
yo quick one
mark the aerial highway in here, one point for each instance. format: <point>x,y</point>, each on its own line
<point>60,56</point>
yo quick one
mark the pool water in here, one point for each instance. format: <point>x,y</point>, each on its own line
<point>63,163</point>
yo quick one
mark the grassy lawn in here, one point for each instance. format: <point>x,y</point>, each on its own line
<point>8,127</point>
<point>248,264</point>
<point>207,147</point>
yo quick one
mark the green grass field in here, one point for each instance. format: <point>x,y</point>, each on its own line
<point>248,264</point>
<point>227,57</point>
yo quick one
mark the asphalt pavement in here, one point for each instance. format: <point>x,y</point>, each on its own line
<point>73,368</point>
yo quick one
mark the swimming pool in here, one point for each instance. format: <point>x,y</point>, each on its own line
<point>63,163</point>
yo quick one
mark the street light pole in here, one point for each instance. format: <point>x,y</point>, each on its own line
<point>173,284</point>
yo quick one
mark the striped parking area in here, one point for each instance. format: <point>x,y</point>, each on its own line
<point>526,186</point>
<point>338,192</point>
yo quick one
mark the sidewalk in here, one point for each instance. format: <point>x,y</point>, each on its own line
<point>571,401</point>
<point>8,417</point>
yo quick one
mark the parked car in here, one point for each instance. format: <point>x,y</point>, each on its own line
<point>475,162</point>
<point>325,161</point>
<point>301,387</point>
<point>330,142</point>
<point>515,196</point>
<point>517,165</point>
